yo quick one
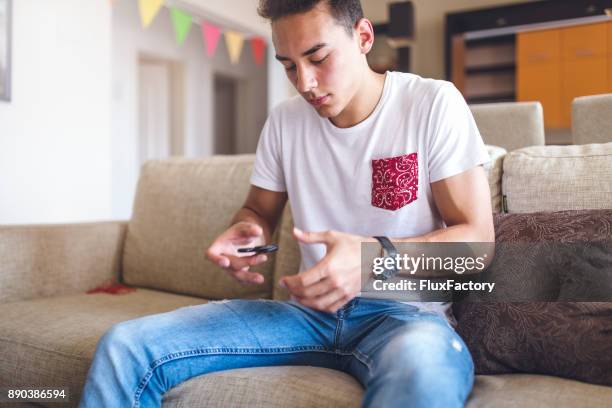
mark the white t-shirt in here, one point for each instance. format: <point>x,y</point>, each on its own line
<point>372,178</point>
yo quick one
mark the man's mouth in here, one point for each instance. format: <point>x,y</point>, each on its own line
<point>318,101</point>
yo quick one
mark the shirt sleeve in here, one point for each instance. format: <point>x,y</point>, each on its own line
<point>456,144</point>
<point>268,170</point>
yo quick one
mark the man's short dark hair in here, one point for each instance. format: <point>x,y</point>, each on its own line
<point>345,12</point>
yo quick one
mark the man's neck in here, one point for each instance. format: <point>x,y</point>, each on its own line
<point>363,102</point>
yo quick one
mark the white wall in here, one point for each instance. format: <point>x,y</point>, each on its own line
<point>428,51</point>
<point>68,149</point>
<point>55,133</point>
<point>241,14</point>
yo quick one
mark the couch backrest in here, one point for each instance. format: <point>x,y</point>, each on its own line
<point>591,121</point>
<point>554,178</point>
<point>494,175</point>
<point>288,257</point>
<point>511,125</point>
<point>181,206</point>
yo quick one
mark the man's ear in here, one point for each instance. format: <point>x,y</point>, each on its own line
<point>365,35</point>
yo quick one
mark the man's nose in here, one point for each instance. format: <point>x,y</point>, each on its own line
<point>306,80</point>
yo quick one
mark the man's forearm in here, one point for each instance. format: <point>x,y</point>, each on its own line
<point>456,233</point>
<point>482,242</point>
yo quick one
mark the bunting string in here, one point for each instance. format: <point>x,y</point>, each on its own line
<point>182,22</point>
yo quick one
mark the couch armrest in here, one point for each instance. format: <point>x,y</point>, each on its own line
<point>53,260</point>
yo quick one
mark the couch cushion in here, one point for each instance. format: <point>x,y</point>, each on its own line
<point>51,341</point>
<point>525,390</point>
<point>322,387</point>
<point>285,386</point>
<point>566,339</point>
<point>181,206</point>
<point>554,178</point>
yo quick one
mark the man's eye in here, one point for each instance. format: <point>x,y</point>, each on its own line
<point>317,62</point>
<point>290,68</point>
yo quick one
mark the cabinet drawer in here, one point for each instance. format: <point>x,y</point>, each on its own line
<point>538,47</point>
<point>585,41</point>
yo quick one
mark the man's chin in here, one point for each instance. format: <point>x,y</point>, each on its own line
<point>326,111</point>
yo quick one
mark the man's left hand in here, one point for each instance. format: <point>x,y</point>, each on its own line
<point>335,279</point>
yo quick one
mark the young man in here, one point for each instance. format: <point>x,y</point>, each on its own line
<point>358,154</point>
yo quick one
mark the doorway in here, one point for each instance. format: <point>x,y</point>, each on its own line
<point>226,113</point>
<point>161,115</point>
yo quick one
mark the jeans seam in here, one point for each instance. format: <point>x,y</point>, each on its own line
<point>363,359</point>
<point>337,333</point>
<point>217,351</point>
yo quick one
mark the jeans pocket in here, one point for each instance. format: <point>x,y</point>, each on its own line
<point>395,181</point>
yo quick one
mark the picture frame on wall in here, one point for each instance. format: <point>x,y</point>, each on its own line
<point>5,50</point>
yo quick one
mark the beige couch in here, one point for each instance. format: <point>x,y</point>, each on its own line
<point>49,326</point>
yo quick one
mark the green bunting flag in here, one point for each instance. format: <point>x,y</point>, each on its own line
<point>181,21</point>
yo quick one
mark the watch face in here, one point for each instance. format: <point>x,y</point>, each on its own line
<point>384,275</point>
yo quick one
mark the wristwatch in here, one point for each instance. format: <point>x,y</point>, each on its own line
<point>391,252</point>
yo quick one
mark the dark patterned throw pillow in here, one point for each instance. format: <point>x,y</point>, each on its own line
<point>565,339</point>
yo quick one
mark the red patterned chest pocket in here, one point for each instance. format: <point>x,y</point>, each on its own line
<point>395,181</point>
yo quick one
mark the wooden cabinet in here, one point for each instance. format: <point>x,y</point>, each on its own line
<point>540,82</point>
<point>584,64</point>
<point>556,65</point>
<point>538,73</point>
<point>610,57</point>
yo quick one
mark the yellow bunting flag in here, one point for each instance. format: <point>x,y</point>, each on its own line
<point>181,21</point>
<point>148,10</point>
<point>234,42</point>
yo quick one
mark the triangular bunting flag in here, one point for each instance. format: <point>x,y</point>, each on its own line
<point>234,42</point>
<point>258,45</point>
<point>181,21</point>
<point>148,10</point>
<point>211,35</point>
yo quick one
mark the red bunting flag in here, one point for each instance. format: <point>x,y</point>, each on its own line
<point>258,45</point>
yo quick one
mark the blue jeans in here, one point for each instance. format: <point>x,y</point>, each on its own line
<point>401,356</point>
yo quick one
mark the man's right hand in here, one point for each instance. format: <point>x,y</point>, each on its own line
<point>224,251</point>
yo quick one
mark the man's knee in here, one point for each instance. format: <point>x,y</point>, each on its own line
<point>425,362</point>
<point>424,348</point>
<point>122,339</point>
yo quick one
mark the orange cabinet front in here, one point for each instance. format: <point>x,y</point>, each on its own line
<point>554,66</point>
<point>538,76</point>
